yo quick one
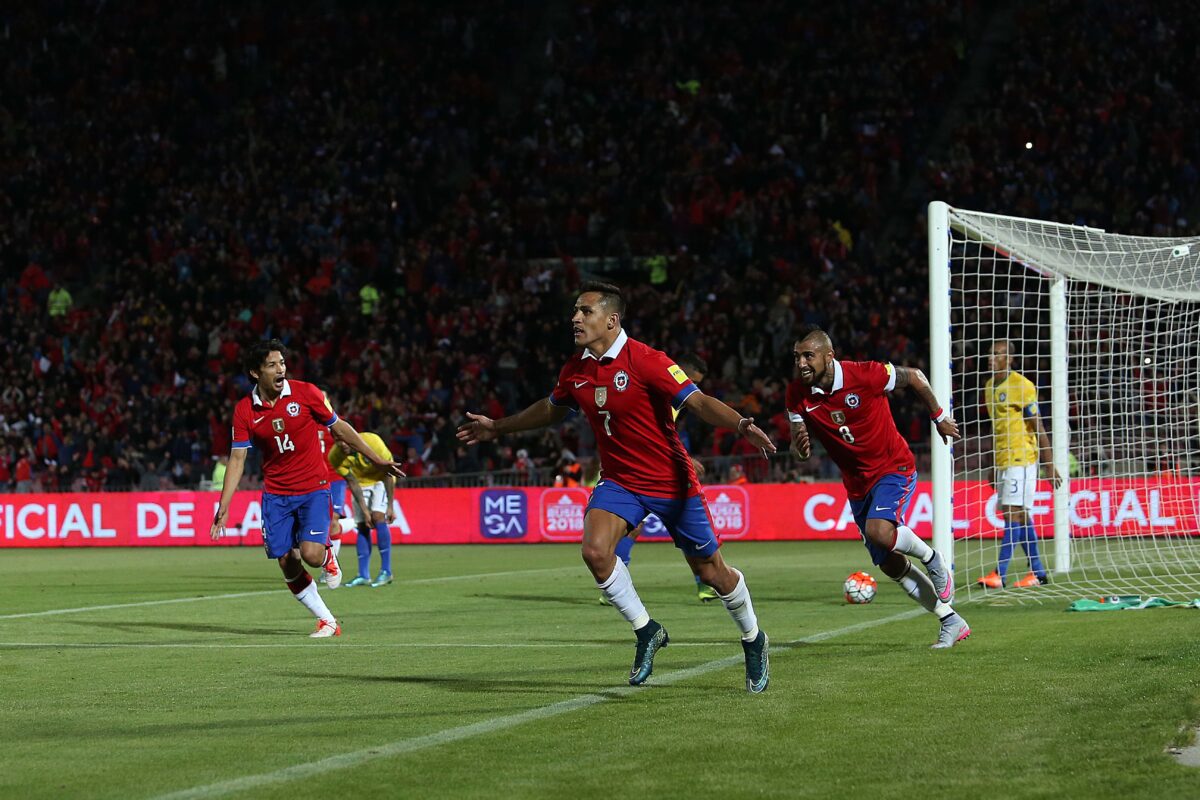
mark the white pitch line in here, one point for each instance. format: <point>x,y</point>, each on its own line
<point>83,609</point>
<point>487,726</point>
<point>331,647</point>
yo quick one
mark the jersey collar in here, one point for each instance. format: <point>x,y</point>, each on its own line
<point>287,389</point>
<point>613,351</point>
<point>837,379</point>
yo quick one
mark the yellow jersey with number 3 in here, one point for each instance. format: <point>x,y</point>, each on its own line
<point>1009,404</point>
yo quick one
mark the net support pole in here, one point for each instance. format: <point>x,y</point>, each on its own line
<point>942,464</point>
<point>1060,431</point>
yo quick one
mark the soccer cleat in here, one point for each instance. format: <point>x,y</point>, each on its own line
<point>331,572</point>
<point>758,663</point>
<point>1031,580</point>
<point>991,581</point>
<point>360,581</point>
<point>384,579</point>
<point>954,630</point>
<point>604,601</point>
<point>651,638</point>
<point>326,629</point>
<point>941,577</point>
<point>705,593</point>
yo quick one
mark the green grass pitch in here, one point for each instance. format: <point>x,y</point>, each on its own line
<point>488,672</point>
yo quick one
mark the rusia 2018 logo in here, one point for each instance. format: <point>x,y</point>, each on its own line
<point>729,507</point>
<point>562,514</point>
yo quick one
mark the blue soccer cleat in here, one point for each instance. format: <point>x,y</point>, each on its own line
<point>651,638</point>
<point>360,581</point>
<point>758,663</point>
<point>384,579</point>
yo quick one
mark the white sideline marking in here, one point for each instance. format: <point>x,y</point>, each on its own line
<point>331,647</point>
<point>484,727</point>
<point>82,609</point>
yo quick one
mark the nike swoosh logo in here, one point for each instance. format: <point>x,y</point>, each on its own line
<point>881,508</point>
<point>810,410</point>
<point>577,385</point>
<point>260,419</point>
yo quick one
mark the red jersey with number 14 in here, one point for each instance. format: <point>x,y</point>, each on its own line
<point>286,433</point>
<point>628,395</point>
<point>854,423</point>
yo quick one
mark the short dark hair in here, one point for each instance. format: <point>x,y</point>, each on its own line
<point>610,295</point>
<point>254,355</point>
<point>691,362</point>
<point>816,332</point>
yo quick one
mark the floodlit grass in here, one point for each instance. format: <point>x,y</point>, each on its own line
<point>221,695</point>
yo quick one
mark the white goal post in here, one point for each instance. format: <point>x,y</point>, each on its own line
<point>1107,328</point>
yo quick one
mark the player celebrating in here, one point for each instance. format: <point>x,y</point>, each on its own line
<point>628,391</point>
<point>694,367</point>
<point>372,489</point>
<point>845,403</point>
<point>280,417</point>
<point>1018,436</point>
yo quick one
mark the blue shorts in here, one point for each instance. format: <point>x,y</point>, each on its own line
<point>337,491</point>
<point>289,519</point>
<point>685,519</point>
<point>888,499</point>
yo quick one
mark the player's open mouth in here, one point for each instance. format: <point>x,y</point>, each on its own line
<point>806,373</point>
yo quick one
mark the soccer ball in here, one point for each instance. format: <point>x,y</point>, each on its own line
<point>860,588</point>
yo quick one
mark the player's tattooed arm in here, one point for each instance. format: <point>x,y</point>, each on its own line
<point>801,444</point>
<point>915,379</point>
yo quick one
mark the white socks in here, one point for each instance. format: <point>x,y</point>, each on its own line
<point>916,584</point>
<point>910,544</point>
<point>620,592</point>
<point>738,604</point>
<point>311,599</point>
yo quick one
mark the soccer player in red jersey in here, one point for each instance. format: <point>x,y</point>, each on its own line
<point>844,404</point>
<point>628,391</point>
<point>281,417</point>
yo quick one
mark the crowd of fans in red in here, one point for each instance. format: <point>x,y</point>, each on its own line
<point>409,197</point>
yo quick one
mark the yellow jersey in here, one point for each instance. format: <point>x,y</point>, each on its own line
<point>1009,404</point>
<point>364,471</point>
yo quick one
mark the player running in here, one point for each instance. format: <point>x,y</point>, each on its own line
<point>280,417</point>
<point>628,390</point>
<point>844,404</point>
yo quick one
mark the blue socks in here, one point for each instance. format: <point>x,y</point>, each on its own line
<point>1029,541</point>
<point>624,547</point>
<point>363,546</point>
<point>383,535</point>
<point>1007,544</point>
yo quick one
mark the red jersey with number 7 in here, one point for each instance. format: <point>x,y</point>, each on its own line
<point>629,395</point>
<point>286,433</point>
<point>854,423</point>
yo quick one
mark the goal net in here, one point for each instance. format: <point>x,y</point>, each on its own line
<point>1107,329</point>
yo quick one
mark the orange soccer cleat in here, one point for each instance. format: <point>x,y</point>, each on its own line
<point>1030,580</point>
<point>326,630</point>
<point>991,581</point>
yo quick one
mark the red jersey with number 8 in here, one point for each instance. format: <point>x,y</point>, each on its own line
<point>286,433</point>
<point>628,395</point>
<point>854,423</point>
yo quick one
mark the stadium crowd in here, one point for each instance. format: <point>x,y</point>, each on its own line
<point>409,200</point>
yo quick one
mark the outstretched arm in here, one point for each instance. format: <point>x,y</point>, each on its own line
<point>801,444</point>
<point>947,428</point>
<point>484,429</point>
<point>719,415</point>
<point>349,439</point>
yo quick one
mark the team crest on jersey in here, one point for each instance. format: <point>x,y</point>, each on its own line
<point>1003,397</point>
<point>601,396</point>
<point>621,381</point>
<point>277,424</point>
<point>838,417</point>
<point>852,400</point>
<point>293,409</point>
